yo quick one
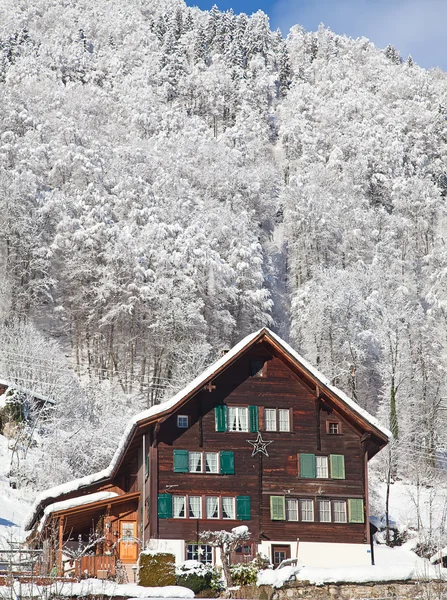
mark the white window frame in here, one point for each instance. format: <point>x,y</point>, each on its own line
<point>283,411</point>
<point>269,423</point>
<point>217,455</point>
<point>340,516</point>
<point>199,498</point>
<point>218,506</point>
<point>233,505</point>
<point>292,508</point>
<point>324,509</point>
<point>190,455</point>
<point>240,415</point>
<point>179,421</point>
<point>305,505</point>
<point>185,505</point>
<point>321,467</point>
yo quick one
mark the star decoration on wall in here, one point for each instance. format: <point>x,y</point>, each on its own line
<point>259,445</point>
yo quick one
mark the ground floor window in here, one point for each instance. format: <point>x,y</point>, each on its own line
<point>200,552</point>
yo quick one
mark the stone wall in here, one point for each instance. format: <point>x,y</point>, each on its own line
<point>434,590</point>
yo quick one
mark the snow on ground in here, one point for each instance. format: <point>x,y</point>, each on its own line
<point>392,564</point>
<point>14,505</point>
<point>98,587</point>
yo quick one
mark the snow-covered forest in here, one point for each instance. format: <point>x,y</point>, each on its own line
<point>172,179</point>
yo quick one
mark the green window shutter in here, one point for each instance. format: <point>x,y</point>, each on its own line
<point>337,466</point>
<point>164,506</point>
<point>227,462</point>
<point>181,461</point>
<point>148,506</point>
<point>307,466</point>
<point>243,508</point>
<point>147,466</point>
<point>220,415</point>
<point>254,419</point>
<point>356,512</point>
<point>277,508</point>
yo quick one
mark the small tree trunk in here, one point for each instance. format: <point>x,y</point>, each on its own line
<point>225,557</point>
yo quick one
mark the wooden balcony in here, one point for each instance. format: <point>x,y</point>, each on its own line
<point>100,566</point>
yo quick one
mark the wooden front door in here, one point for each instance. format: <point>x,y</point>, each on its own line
<point>280,553</point>
<point>128,545</point>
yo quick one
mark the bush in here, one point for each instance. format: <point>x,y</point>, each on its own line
<point>156,570</point>
<point>198,577</point>
<point>244,573</point>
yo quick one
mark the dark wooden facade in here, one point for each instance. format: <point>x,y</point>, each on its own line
<point>263,375</point>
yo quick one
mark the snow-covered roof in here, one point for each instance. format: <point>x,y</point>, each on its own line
<point>192,388</point>
<point>73,503</point>
<point>10,385</point>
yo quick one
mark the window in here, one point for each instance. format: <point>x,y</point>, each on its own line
<point>292,509</point>
<point>237,418</point>
<point>339,511</point>
<point>333,428</point>
<point>178,507</point>
<point>321,464</point>
<point>195,462</point>
<point>324,511</point>
<point>212,507</point>
<point>195,507</point>
<point>211,462</point>
<point>277,419</point>
<point>270,419</point>
<point>307,510</point>
<point>283,419</point>
<point>227,508</point>
<point>182,421</point>
<point>199,552</point>
<point>311,466</point>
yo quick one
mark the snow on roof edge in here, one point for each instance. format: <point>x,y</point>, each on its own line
<point>74,502</point>
<point>197,382</point>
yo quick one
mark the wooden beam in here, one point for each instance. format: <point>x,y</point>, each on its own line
<point>318,421</point>
<point>153,485</point>
<point>60,547</point>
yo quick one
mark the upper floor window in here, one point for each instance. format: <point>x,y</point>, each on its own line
<point>321,467</point>
<point>312,467</point>
<point>182,421</point>
<point>237,418</point>
<point>340,511</point>
<point>321,510</point>
<point>277,419</point>
<point>333,428</point>
<point>186,461</point>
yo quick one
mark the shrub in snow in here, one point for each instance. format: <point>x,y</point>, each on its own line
<point>156,570</point>
<point>244,573</point>
<point>198,576</point>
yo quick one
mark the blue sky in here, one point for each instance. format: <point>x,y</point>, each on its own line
<point>416,27</point>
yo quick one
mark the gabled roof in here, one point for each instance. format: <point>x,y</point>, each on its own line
<point>157,412</point>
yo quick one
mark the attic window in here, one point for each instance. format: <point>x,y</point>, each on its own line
<point>182,421</point>
<point>333,428</point>
<point>257,368</point>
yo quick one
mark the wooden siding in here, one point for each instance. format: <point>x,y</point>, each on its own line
<point>260,476</point>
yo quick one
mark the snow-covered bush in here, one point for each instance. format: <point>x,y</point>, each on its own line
<point>198,576</point>
<point>244,573</point>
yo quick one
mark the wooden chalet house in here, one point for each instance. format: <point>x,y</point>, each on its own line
<point>261,438</point>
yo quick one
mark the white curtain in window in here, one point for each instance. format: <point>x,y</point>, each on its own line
<point>284,418</point>
<point>292,509</point>
<point>195,462</point>
<point>228,508</point>
<point>195,507</point>
<point>212,507</point>
<point>270,419</point>
<point>307,510</point>
<point>211,462</point>
<point>340,511</point>
<point>324,511</point>
<point>321,463</point>
<point>243,420</point>
<point>232,418</point>
<point>178,506</point>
